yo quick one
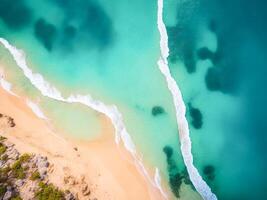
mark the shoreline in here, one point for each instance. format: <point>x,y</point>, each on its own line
<point>108,169</point>
<point>122,137</point>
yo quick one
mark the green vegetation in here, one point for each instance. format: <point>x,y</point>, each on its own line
<point>25,157</point>
<point>5,170</point>
<point>2,138</point>
<point>16,198</point>
<point>48,191</point>
<point>35,175</point>
<point>157,110</point>
<point>2,190</point>
<point>2,149</point>
<point>18,170</point>
<point>4,157</point>
<point>4,174</point>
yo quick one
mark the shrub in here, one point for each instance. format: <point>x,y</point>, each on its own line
<point>17,170</point>
<point>2,138</point>
<point>35,175</point>
<point>5,170</point>
<point>48,191</point>
<point>25,157</point>
<point>16,198</point>
<point>4,157</point>
<point>2,149</point>
<point>2,190</point>
<point>4,174</point>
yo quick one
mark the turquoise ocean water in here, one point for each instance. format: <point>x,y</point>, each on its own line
<point>218,58</point>
<point>110,49</point>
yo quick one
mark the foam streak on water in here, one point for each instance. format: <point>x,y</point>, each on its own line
<point>36,110</point>
<point>200,185</point>
<point>5,85</point>
<point>110,111</point>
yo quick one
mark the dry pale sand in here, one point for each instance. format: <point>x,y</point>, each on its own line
<point>104,167</point>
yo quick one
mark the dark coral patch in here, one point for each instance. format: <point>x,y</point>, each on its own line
<point>175,183</point>
<point>212,79</point>
<point>98,24</point>
<point>175,178</point>
<point>182,46</point>
<point>222,78</point>
<point>204,53</point>
<point>15,14</point>
<point>157,110</point>
<point>45,33</point>
<point>94,27</point>
<point>168,151</point>
<point>209,171</point>
<point>196,116</point>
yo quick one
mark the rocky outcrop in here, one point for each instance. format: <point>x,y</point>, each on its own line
<point>24,176</point>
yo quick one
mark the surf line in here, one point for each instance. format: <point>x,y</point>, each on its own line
<point>111,112</point>
<point>200,185</point>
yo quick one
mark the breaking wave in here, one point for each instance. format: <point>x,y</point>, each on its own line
<point>200,185</point>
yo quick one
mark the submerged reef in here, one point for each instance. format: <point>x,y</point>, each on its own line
<point>15,14</point>
<point>204,53</point>
<point>176,178</point>
<point>223,75</point>
<point>212,79</point>
<point>209,172</point>
<point>157,110</point>
<point>182,36</point>
<point>196,116</point>
<point>181,47</point>
<point>98,24</point>
<point>93,26</point>
<point>45,33</point>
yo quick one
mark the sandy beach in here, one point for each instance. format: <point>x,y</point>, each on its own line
<point>106,168</point>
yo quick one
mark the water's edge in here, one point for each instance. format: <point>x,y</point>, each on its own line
<point>111,112</point>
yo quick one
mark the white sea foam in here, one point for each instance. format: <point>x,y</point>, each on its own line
<point>157,180</point>
<point>36,109</point>
<point>200,185</point>
<point>6,85</point>
<point>110,111</point>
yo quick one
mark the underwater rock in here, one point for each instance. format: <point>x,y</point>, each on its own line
<point>222,79</point>
<point>204,53</point>
<point>212,79</point>
<point>209,171</point>
<point>93,23</point>
<point>15,14</point>
<point>168,151</point>
<point>175,183</point>
<point>98,24</point>
<point>175,178</point>
<point>45,33</point>
<point>182,46</point>
<point>189,60</point>
<point>196,117</point>
<point>157,110</point>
